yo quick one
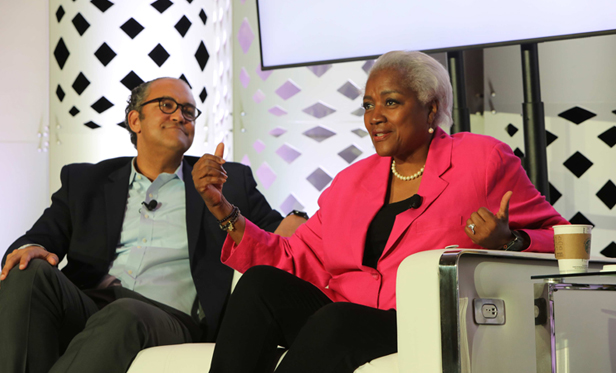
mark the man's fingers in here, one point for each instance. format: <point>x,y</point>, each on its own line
<point>25,259</point>
<point>220,150</point>
<point>503,212</point>
<point>52,259</point>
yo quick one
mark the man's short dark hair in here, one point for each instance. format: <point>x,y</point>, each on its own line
<point>136,98</point>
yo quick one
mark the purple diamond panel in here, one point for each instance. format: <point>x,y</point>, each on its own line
<point>350,90</point>
<point>258,96</point>
<point>319,179</point>
<point>277,132</point>
<point>289,204</point>
<point>263,74</point>
<point>350,154</point>
<point>319,133</point>
<point>288,90</point>
<point>259,146</point>
<point>277,111</point>
<point>244,77</point>
<point>288,153</point>
<point>266,175</point>
<point>319,70</point>
<point>319,110</point>
<point>245,36</point>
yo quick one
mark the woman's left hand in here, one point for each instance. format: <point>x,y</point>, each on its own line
<point>489,230</point>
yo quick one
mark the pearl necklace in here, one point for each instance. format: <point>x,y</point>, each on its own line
<point>405,178</point>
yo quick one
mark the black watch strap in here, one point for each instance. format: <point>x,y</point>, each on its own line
<point>517,244</point>
<point>301,214</point>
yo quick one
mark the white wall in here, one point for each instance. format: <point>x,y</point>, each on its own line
<point>24,100</point>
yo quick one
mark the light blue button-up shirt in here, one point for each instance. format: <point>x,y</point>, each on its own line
<point>152,256</point>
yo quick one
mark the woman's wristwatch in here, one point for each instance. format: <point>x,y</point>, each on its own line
<point>517,244</point>
<point>301,214</point>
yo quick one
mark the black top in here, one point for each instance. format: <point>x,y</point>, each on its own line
<point>379,230</point>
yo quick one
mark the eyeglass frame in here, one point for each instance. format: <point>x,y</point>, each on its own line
<point>177,106</point>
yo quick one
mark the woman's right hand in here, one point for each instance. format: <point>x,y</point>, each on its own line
<point>209,177</point>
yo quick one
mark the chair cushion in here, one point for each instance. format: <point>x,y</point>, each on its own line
<point>196,357</point>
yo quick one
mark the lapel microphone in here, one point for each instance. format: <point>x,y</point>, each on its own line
<point>415,201</point>
<point>153,203</point>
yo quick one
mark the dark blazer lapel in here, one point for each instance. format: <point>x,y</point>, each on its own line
<point>439,161</point>
<point>194,209</point>
<point>116,194</point>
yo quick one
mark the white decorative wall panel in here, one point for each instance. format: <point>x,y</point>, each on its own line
<point>101,49</point>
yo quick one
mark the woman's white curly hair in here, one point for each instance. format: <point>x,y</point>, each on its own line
<point>423,75</point>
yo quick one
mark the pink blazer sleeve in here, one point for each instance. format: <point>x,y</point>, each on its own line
<point>301,254</point>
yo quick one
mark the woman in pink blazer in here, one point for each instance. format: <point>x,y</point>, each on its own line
<point>327,293</point>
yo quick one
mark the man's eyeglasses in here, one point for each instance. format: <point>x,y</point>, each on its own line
<point>168,106</point>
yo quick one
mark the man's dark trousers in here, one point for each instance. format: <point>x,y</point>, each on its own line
<point>49,325</point>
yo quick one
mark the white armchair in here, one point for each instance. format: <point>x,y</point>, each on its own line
<point>436,327</point>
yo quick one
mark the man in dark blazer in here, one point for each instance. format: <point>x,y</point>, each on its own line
<point>78,319</point>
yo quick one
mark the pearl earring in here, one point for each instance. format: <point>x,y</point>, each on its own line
<point>431,130</point>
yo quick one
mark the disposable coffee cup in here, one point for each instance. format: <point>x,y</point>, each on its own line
<point>572,247</point>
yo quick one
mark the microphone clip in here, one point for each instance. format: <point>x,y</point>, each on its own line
<point>151,206</point>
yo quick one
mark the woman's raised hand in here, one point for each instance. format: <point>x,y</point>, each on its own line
<point>209,176</point>
<point>489,230</point>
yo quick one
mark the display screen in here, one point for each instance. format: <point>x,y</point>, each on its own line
<point>305,32</point>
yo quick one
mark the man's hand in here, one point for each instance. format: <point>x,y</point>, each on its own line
<point>209,176</point>
<point>288,225</point>
<point>489,230</point>
<point>24,256</point>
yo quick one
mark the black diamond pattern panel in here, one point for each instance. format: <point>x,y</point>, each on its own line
<point>101,105</point>
<point>122,124</point>
<point>203,16</point>
<point>132,28</point>
<point>91,125</point>
<point>554,194</point>
<point>579,218</point>
<point>519,153</point>
<point>609,137</point>
<point>578,164</point>
<point>161,5</point>
<point>105,54</point>
<point>61,53</point>
<point>183,77</point>
<point>183,25</point>
<point>80,23</point>
<point>131,80</point>
<point>607,194</point>
<point>159,55</point>
<point>81,83</point>
<point>203,95</point>
<point>549,138</point>
<point>609,250</point>
<point>60,93</point>
<point>74,111</point>
<point>189,1</point>
<point>202,56</point>
<point>511,129</point>
<point>102,5</point>
<point>577,115</point>
<point>60,13</point>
